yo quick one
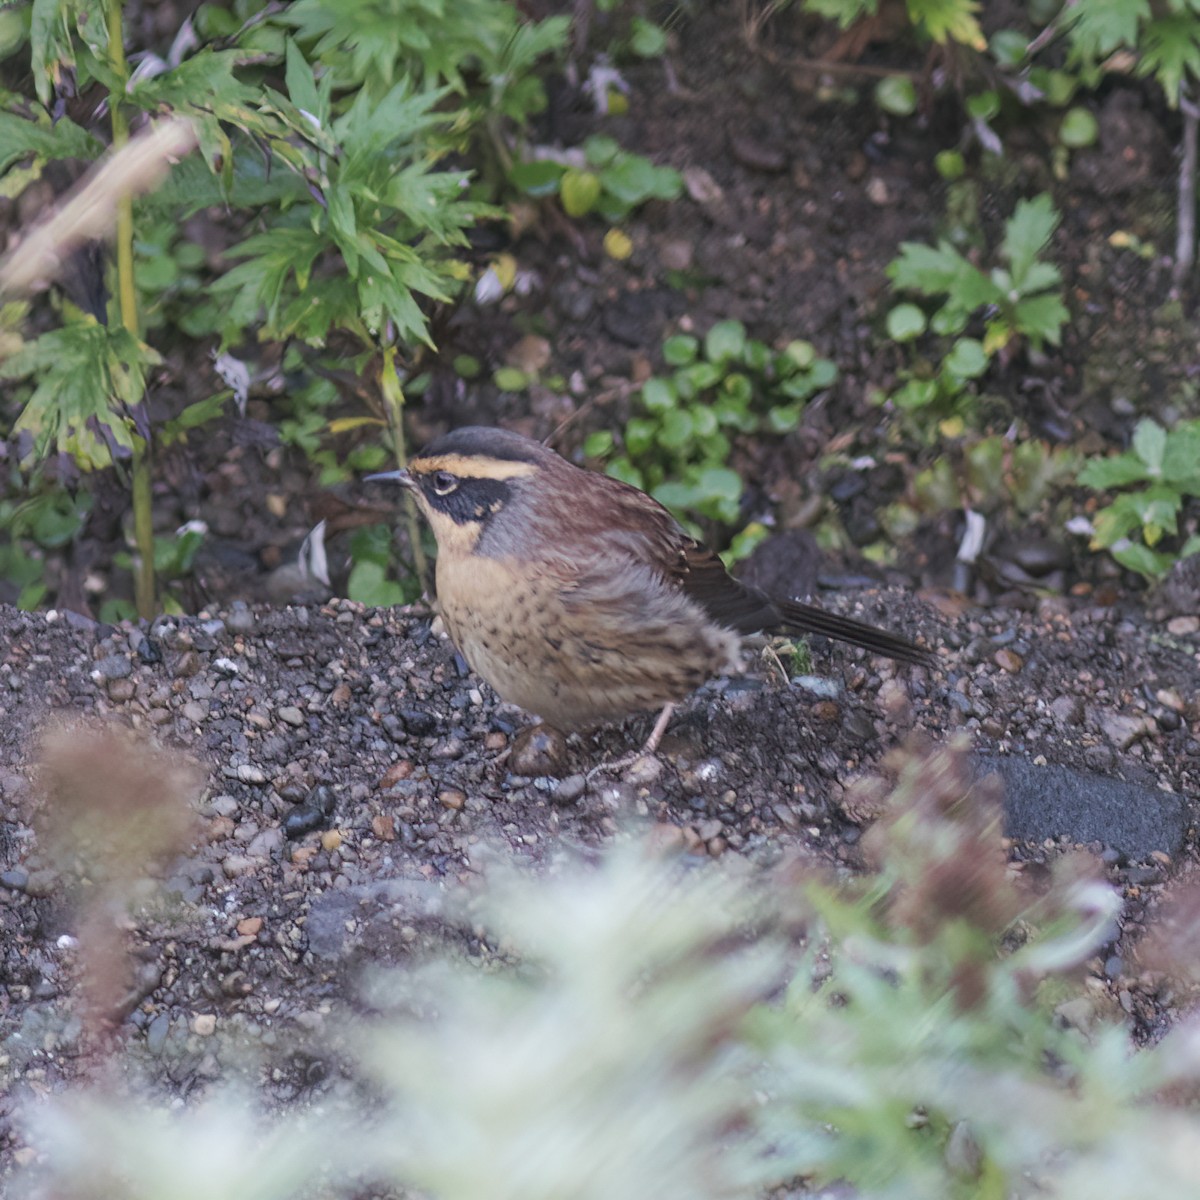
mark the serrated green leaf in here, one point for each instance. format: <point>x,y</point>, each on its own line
<point>1170,51</point>
<point>1026,233</point>
<point>20,138</point>
<point>1117,471</point>
<point>1041,318</point>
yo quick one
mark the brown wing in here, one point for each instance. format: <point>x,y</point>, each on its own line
<point>637,527</point>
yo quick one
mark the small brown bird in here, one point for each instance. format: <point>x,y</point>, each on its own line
<point>580,598</point>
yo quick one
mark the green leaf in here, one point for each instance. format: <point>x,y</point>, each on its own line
<point>601,151</point>
<point>1113,472</point>
<point>658,395</point>
<point>632,180</point>
<point>950,165</point>
<point>598,444</point>
<point>368,584</point>
<point>967,359</point>
<point>680,350</point>
<point>724,341</point>
<point>905,322</point>
<point>538,178</point>
<point>738,388</point>
<point>640,436</point>
<point>1170,51</point>
<point>1041,318</point>
<point>579,191</point>
<point>677,430</point>
<point>1150,445</point>
<point>1026,233</point>
<point>1136,557</point>
<point>647,40</point>
<point>1181,459</point>
<point>88,377</point>
<point>1008,48</point>
<point>1078,128</point>
<point>43,139</point>
<point>509,379</point>
<point>722,482</point>
<point>897,95</point>
<point>933,271</point>
<point>699,377</point>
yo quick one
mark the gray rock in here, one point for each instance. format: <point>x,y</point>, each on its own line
<point>1055,801</point>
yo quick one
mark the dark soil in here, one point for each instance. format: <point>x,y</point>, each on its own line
<point>354,770</point>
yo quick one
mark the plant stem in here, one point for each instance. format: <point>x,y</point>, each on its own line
<point>143,522</point>
<point>393,399</point>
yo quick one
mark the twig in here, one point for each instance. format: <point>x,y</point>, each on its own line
<point>1185,236</point>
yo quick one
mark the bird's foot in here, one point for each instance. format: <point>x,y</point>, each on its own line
<point>647,752</point>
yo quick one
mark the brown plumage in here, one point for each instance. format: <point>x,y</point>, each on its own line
<point>580,598</point>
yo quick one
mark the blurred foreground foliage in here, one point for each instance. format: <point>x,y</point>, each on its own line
<point>668,1030</point>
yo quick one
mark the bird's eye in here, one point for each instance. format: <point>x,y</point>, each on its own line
<point>444,483</point>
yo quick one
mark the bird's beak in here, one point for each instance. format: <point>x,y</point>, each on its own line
<point>403,478</point>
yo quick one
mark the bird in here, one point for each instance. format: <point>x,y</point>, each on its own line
<point>580,598</point>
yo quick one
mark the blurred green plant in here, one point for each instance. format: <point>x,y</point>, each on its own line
<point>601,178</point>
<point>994,474</point>
<point>322,127</point>
<point>1015,304</point>
<point>35,517</point>
<point>917,1030</point>
<point>1140,528</point>
<point>678,448</point>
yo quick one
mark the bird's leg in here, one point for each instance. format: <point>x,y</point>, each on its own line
<point>660,727</point>
<point>651,745</point>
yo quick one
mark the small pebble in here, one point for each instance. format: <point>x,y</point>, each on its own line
<point>452,798</point>
<point>204,1024</point>
<point>290,715</point>
<point>538,750</point>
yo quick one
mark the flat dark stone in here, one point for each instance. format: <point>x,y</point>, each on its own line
<point>1055,801</point>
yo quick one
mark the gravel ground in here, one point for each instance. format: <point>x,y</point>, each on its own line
<point>353,771</point>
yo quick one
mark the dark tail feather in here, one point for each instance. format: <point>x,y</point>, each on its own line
<point>805,618</point>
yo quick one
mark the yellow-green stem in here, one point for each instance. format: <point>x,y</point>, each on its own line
<point>393,397</point>
<point>143,522</point>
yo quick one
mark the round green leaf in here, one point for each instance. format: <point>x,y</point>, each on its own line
<point>905,322</point>
<point>509,379</point>
<point>677,429</point>
<point>725,340</point>
<point>598,444</point>
<point>895,94</point>
<point>1008,47</point>
<point>950,165</point>
<point>802,353</point>
<point>647,39</point>
<point>1079,128</point>
<point>658,395</point>
<point>967,359</point>
<point>579,190</point>
<point>738,387</point>
<point>983,106</point>
<point>600,150</point>
<point>680,350</point>
<point>639,436</point>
